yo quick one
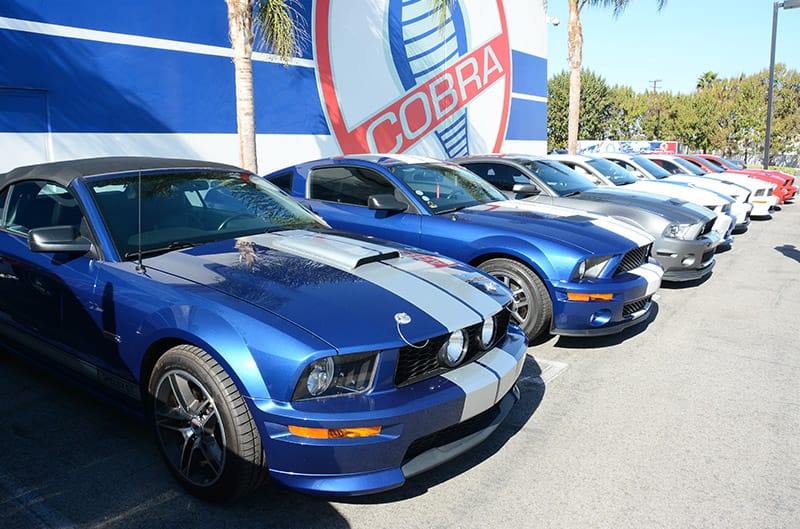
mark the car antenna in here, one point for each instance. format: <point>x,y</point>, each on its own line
<point>139,265</point>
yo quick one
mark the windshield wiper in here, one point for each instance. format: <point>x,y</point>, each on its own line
<point>175,245</point>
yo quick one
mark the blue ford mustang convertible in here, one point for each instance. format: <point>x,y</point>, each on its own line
<point>256,340</point>
<point>572,272</point>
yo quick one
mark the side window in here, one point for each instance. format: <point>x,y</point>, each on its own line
<point>3,199</point>
<point>37,204</point>
<point>347,185</point>
<point>284,181</point>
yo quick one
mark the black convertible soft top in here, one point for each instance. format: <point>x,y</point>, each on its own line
<point>65,172</point>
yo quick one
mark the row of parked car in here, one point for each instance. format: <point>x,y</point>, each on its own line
<point>342,324</point>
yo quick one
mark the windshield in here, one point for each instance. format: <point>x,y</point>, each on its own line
<point>557,176</point>
<point>612,171</point>
<point>655,170</point>
<point>445,188</point>
<point>689,166</point>
<point>187,208</point>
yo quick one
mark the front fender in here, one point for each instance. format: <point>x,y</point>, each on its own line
<point>263,355</point>
<point>552,266</point>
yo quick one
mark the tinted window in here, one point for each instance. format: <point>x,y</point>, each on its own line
<point>3,199</point>
<point>347,185</point>
<point>191,207</point>
<point>38,204</point>
<point>648,165</point>
<point>283,181</point>
<point>558,177</point>
<point>612,171</point>
<point>445,187</point>
<point>499,175</point>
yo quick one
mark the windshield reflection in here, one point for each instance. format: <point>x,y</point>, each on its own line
<point>446,188</point>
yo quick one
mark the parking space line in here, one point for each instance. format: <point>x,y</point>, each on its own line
<point>31,504</point>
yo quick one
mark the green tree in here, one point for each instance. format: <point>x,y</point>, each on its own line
<point>595,108</point>
<point>706,80</point>
<point>575,54</point>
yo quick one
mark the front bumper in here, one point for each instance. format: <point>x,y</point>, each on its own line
<point>763,206</point>
<point>422,425</point>
<point>684,260</point>
<point>631,303</point>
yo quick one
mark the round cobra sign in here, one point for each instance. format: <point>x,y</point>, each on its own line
<point>393,79</point>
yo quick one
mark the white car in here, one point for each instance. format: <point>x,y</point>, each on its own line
<point>761,192</point>
<point>741,207</point>
<point>605,172</point>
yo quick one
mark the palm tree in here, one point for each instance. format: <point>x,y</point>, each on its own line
<point>279,27</point>
<point>575,52</point>
<point>706,80</point>
<point>278,23</point>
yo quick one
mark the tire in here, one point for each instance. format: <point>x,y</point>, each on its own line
<point>533,308</point>
<point>204,429</point>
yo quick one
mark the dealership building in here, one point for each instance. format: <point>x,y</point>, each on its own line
<point>148,77</point>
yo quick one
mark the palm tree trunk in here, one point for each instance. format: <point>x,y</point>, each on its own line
<point>575,49</point>
<point>240,20</point>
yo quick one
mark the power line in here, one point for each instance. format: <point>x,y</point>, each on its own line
<point>655,84</point>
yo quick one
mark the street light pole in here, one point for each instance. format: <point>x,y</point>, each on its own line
<point>786,4</point>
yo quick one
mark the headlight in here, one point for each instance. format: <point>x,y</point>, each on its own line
<point>337,375</point>
<point>678,231</point>
<point>487,332</point>
<point>454,349</point>
<point>591,268</point>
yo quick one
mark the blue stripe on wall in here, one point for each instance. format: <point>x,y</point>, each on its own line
<point>530,74</point>
<point>23,111</point>
<point>527,120</point>
<point>200,21</point>
<point>100,87</point>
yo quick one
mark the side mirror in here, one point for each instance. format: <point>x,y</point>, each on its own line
<point>526,189</point>
<point>386,203</point>
<point>58,239</point>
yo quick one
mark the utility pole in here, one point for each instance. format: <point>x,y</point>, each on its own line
<point>658,109</point>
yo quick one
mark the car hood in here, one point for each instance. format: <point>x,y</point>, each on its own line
<point>595,234</point>
<point>681,191</point>
<point>344,290</point>
<point>670,208</point>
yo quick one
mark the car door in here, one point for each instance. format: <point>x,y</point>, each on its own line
<point>340,193</point>
<point>48,301</point>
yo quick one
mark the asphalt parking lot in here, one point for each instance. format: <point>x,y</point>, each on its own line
<point>690,420</point>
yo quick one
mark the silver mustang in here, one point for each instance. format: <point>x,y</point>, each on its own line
<point>684,241</point>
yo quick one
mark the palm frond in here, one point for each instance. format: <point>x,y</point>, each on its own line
<point>280,27</point>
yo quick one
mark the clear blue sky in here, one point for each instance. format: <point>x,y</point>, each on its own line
<point>677,44</point>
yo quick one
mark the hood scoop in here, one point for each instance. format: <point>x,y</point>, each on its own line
<point>339,252</point>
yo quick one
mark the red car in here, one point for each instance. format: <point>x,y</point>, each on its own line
<point>785,188</point>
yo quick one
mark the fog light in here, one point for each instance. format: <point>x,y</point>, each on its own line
<point>600,318</point>
<point>688,261</point>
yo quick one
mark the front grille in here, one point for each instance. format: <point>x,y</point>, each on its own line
<point>769,192</point>
<point>453,433</point>
<point>633,259</point>
<point>759,192</point>
<point>707,227</point>
<point>635,306</point>
<point>421,361</point>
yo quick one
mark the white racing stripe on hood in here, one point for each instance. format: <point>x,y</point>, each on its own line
<point>639,237</point>
<point>344,254</point>
<point>453,279</point>
<point>486,381</point>
<point>651,273</point>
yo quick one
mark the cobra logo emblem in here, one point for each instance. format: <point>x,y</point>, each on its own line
<point>420,48</point>
<point>414,86</point>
